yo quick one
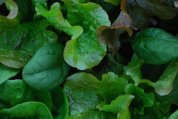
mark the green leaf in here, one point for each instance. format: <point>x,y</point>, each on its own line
<point>28,109</point>
<point>18,44</point>
<point>55,17</point>
<point>93,115</point>
<point>142,99</point>
<point>116,86</point>
<point>174,115</point>
<point>119,106</point>
<point>78,53</point>
<point>12,6</point>
<point>167,101</point>
<point>133,69</point>
<point>114,2</point>
<point>14,92</point>
<point>85,92</point>
<point>46,69</point>
<point>60,104</point>
<point>85,51</point>
<point>155,46</point>
<point>6,23</point>
<point>165,83</point>
<point>6,73</point>
<point>44,97</point>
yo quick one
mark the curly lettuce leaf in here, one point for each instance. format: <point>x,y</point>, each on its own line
<point>86,51</point>
<point>119,106</point>
<point>83,51</point>
<point>55,17</point>
<point>142,99</point>
<point>85,92</point>
<point>18,44</point>
<point>133,69</point>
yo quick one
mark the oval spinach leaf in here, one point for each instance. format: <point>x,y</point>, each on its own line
<point>155,46</point>
<point>46,69</point>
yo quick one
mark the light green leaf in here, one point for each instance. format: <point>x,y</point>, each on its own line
<point>85,51</point>
<point>46,69</point>
<point>155,46</point>
<point>119,106</point>
<point>6,73</point>
<point>174,115</point>
<point>28,109</point>
<point>133,69</point>
<point>165,83</point>
<point>12,6</point>
<point>55,17</point>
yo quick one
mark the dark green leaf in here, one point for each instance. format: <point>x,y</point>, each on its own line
<point>60,104</point>
<point>155,46</point>
<point>28,109</point>
<point>46,69</point>
<point>142,99</point>
<point>14,92</point>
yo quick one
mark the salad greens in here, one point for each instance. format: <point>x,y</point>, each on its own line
<point>88,59</point>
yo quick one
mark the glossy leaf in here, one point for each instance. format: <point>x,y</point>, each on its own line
<point>87,51</point>
<point>155,46</point>
<point>46,69</point>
